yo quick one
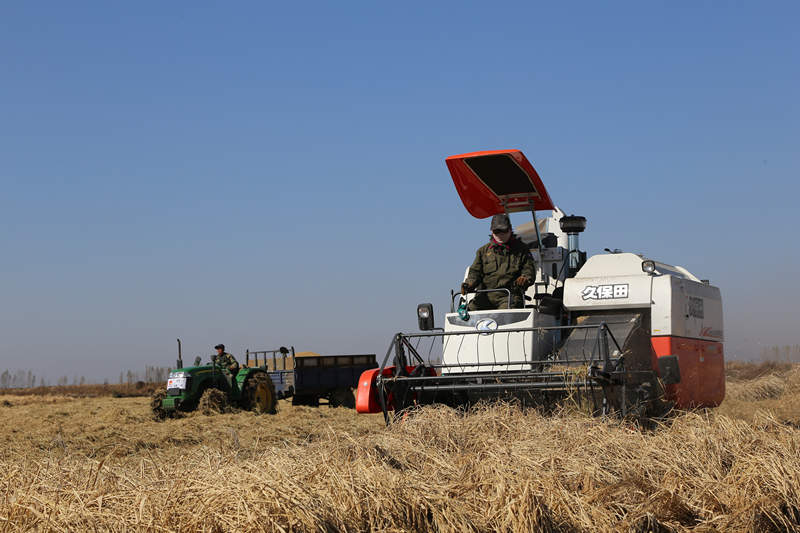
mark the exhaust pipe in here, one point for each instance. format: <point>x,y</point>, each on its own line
<point>180,356</point>
<point>573,226</point>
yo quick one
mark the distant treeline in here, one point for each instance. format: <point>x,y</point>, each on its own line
<point>25,379</point>
<point>789,354</point>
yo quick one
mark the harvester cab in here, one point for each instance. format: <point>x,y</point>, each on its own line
<point>622,332</point>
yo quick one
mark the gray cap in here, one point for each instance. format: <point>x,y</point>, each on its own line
<point>500,221</point>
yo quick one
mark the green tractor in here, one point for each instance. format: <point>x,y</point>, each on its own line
<point>213,387</point>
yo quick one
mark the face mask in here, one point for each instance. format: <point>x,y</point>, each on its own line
<point>502,238</point>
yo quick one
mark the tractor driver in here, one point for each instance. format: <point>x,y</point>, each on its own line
<point>505,262</point>
<point>226,360</point>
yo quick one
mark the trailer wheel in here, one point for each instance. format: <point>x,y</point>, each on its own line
<point>342,398</point>
<point>309,400</point>
<point>259,394</point>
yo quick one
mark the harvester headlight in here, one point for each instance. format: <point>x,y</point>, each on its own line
<point>425,316</point>
<point>648,266</point>
<point>179,374</point>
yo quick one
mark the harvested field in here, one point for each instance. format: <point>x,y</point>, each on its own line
<point>762,388</point>
<point>101,463</point>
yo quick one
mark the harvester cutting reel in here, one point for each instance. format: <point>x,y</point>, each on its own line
<point>603,367</point>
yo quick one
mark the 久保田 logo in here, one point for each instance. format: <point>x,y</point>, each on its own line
<point>486,325</point>
<point>605,292</point>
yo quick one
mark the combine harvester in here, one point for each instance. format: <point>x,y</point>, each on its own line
<point>619,333</point>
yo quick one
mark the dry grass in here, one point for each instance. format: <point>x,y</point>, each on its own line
<point>767,387</point>
<point>744,371</point>
<point>103,464</point>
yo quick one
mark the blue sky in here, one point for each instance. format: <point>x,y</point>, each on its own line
<point>262,174</point>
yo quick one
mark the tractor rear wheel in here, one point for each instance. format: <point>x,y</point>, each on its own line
<point>342,398</point>
<point>159,413</point>
<point>259,395</point>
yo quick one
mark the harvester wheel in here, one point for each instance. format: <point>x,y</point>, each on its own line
<point>159,413</point>
<point>342,398</point>
<point>659,407</point>
<point>648,405</point>
<point>259,394</point>
<point>213,401</point>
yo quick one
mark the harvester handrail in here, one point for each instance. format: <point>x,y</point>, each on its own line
<point>411,369</point>
<point>401,340</point>
<point>509,330</point>
<point>507,363</point>
<point>412,372</point>
<point>454,294</point>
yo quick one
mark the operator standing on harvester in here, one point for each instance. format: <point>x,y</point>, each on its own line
<point>505,262</point>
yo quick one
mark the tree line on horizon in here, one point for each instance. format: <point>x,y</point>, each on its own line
<point>787,354</point>
<point>26,379</point>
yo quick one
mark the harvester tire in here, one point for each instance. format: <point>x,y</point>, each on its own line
<point>259,395</point>
<point>159,413</point>
<point>650,407</point>
<point>213,401</point>
<point>342,398</point>
<point>659,407</point>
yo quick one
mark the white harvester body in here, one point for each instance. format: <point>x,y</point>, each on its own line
<point>626,331</point>
<point>680,304</point>
<point>497,352</point>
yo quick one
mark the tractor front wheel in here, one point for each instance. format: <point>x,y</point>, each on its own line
<point>156,403</point>
<point>213,401</point>
<point>259,394</point>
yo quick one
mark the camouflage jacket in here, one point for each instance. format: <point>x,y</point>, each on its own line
<point>497,266</point>
<point>226,360</point>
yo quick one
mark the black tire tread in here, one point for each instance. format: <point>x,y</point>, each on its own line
<point>249,392</point>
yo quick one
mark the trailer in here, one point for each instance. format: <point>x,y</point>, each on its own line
<point>308,377</point>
